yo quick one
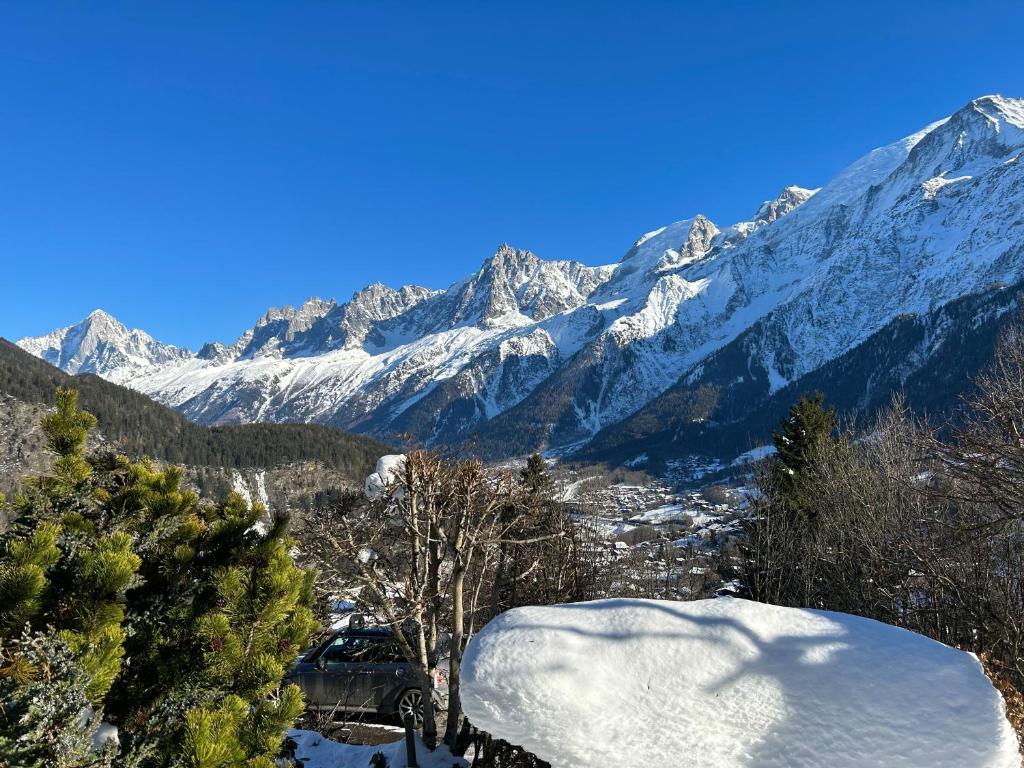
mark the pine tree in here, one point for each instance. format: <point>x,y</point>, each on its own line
<point>804,430</point>
<point>262,621</point>
<point>63,581</point>
<point>66,431</point>
<point>110,558</point>
<point>534,475</point>
<point>61,568</point>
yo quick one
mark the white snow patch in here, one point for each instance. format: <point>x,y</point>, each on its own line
<point>932,186</point>
<point>316,751</point>
<point>389,470</point>
<point>754,454</point>
<point>241,487</point>
<point>728,682</point>
<point>664,514</point>
<point>638,460</point>
<point>104,731</point>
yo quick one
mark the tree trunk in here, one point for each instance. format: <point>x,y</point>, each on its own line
<point>451,730</point>
<point>426,686</point>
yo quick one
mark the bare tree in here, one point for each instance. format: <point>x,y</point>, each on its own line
<point>904,530</point>
<point>423,552</point>
<point>984,458</point>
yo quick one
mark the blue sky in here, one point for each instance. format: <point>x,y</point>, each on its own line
<point>187,165</point>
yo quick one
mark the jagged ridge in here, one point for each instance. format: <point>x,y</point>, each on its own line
<point>531,354</point>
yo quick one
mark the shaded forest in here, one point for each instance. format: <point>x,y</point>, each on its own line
<point>138,426</point>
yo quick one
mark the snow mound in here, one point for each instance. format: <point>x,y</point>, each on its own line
<point>389,470</point>
<point>729,682</point>
<point>316,751</point>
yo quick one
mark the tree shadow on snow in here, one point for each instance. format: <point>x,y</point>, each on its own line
<point>821,707</point>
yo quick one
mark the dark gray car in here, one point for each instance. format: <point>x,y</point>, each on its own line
<point>363,670</point>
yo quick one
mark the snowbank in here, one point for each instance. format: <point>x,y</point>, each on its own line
<point>316,751</point>
<point>728,682</point>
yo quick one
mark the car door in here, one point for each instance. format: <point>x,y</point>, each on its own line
<point>339,680</point>
<point>388,671</point>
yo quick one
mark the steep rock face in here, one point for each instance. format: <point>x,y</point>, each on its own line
<point>276,333</point>
<point>361,320</point>
<point>530,354</point>
<point>788,199</point>
<point>516,282</point>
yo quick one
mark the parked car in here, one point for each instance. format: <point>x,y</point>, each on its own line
<point>362,669</point>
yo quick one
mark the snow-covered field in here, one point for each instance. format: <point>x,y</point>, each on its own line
<point>714,683</point>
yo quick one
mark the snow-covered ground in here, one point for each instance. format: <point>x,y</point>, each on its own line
<point>316,751</point>
<point>713,683</point>
<point>665,514</point>
<point>753,455</point>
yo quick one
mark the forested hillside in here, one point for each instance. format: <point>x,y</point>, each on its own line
<point>137,425</point>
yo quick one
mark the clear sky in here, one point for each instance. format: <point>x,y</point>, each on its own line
<point>187,165</point>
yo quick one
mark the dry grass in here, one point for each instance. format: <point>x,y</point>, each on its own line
<point>1012,695</point>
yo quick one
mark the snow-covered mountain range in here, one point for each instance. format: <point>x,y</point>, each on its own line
<point>694,324</point>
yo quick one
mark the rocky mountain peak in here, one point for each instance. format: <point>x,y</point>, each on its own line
<point>700,235</point>
<point>360,320</point>
<point>102,345</point>
<point>308,312</point>
<point>517,285</point>
<point>790,197</point>
<point>699,238</point>
<point>279,326</point>
<point>512,265</point>
<point>99,315</point>
<point>383,302</point>
<point>212,350</point>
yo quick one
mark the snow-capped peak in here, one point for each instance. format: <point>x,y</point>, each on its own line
<point>983,129</point>
<point>516,282</point>
<point>98,315</point>
<point>1011,110</point>
<point>102,345</point>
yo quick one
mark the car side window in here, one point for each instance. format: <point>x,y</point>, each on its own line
<point>363,651</point>
<point>355,649</point>
<point>344,650</point>
<point>388,652</point>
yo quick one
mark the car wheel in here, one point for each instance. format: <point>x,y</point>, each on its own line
<point>410,704</point>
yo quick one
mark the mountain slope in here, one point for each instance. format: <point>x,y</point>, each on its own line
<point>134,424</point>
<point>929,357</point>
<point>530,354</point>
